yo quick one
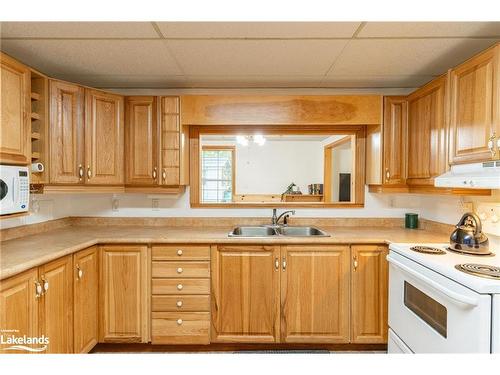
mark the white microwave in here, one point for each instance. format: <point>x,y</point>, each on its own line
<point>14,189</point>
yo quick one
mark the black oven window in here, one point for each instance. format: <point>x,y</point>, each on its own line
<point>426,308</point>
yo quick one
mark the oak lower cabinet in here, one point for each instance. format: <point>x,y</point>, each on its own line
<point>56,304</point>
<point>394,140</point>
<point>245,294</point>
<point>369,291</point>
<point>475,109</point>
<point>15,124</point>
<point>180,301</point>
<point>123,293</point>
<point>427,132</point>
<point>85,307</point>
<point>315,294</point>
<point>19,307</point>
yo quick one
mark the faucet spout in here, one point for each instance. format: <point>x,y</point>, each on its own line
<point>276,219</point>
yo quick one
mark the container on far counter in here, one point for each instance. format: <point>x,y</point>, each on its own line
<point>411,221</point>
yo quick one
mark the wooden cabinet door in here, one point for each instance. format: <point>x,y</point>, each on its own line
<point>315,294</point>
<point>141,164</point>
<point>123,294</point>
<point>475,115</point>
<point>394,140</point>
<point>170,140</point>
<point>19,308</point>
<point>104,138</point>
<point>15,124</point>
<point>66,133</point>
<point>56,304</point>
<point>427,133</point>
<point>86,279</point>
<point>245,294</point>
<point>369,294</point>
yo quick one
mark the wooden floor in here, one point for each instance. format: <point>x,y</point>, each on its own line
<point>231,348</point>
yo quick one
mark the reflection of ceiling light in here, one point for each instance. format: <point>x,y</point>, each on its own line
<point>245,139</point>
<point>259,139</point>
<point>242,140</point>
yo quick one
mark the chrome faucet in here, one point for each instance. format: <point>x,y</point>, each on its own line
<point>276,219</point>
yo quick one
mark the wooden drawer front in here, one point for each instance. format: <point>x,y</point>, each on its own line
<point>180,328</point>
<point>181,286</point>
<point>181,252</point>
<point>180,303</point>
<point>181,269</point>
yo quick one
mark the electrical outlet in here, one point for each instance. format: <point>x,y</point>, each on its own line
<point>155,204</point>
<point>467,206</point>
<point>115,204</point>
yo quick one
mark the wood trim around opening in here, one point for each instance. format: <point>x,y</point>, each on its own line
<point>359,131</point>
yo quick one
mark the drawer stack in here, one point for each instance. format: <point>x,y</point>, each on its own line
<point>180,302</point>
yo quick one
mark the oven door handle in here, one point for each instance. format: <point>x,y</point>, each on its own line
<point>455,297</point>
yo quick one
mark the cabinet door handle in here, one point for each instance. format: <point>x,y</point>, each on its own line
<point>79,272</point>
<point>154,173</point>
<point>277,264</point>
<point>387,174</point>
<point>355,262</point>
<point>164,175</point>
<point>284,263</point>
<point>80,172</point>
<point>38,289</point>
<point>45,284</point>
<point>491,144</point>
<point>89,172</point>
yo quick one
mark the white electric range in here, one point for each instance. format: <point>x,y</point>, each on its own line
<point>438,306</point>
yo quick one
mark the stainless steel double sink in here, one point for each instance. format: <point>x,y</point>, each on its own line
<point>271,231</point>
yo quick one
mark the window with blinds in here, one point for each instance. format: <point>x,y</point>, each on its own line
<point>217,174</point>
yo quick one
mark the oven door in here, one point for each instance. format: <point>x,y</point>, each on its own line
<point>433,314</point>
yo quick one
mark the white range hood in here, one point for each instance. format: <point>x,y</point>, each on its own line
<point>471,176</point>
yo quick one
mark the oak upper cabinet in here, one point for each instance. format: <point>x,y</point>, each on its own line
<point>427,133</point>
<point>475,118</point>
<point>85,306</point>
<point>19,306</point>
<point>66,133</point>
<point>170,141</point>
<point>245,294</point>
<point>104,138</point>
<point>15,124</point>
<point>141,141</point>
<point>315,294</point>
<point>394,140</point>
<point>123,294</point>
<point>369,294</point>
<point>56,304</point>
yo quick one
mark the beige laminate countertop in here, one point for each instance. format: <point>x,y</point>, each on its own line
<point>23,253</point>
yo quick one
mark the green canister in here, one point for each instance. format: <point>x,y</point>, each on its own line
<point>411,221</point>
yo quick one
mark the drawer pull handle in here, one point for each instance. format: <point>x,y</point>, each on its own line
<point>179,303</point>
<point>179,252</point>
<point>179,270</point>
<point>179,286</point>
<point>179,322</point>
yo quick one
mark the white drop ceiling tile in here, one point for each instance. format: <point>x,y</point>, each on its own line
<point>258,29</point>
<point>94,57</point>
<point>405,56</point>
<point>255,57</point>
<point>430,29</point>
<point>78,30</point>
<point>376,81</point>
<point>253,81</point>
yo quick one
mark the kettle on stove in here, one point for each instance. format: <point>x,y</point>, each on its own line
<point>468,238</point>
